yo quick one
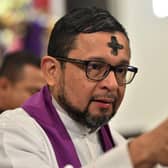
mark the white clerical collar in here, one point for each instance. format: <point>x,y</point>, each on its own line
<point>74,127</point>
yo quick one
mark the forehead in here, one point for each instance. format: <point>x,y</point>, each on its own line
<point>96,45</point>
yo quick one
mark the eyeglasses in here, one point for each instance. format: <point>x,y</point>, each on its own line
<point>98,70</point>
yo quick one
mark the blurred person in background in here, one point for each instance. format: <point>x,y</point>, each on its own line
<point>20,77</point>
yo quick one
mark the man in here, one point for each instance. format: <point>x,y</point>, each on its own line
<point>20,77</point>
<point>66,123</point>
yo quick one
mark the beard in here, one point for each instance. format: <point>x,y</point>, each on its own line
<point>85,117</point>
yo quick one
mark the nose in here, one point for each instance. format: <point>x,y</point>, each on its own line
<point>110,82</point>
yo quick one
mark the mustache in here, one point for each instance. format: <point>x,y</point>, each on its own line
<point>107,96</point>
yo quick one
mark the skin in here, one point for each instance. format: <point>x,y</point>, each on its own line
<point>115,45</point>
<point>146,150</point>
<point>13,94</point>
<point>98,99</point>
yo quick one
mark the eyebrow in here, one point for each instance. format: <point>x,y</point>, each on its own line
<point>98,58</point>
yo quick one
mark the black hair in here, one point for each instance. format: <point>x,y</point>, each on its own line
<point>80,20</point>
<point>13,63</point>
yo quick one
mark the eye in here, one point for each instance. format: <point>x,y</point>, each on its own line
<point>121,69</point>
<point>95,65</point>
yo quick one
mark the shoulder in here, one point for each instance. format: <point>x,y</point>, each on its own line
<point>14,115</point>
<point>18,123</point>
<point>17,118</point>
<point>19,132</point>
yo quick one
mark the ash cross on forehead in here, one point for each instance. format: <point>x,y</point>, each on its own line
<point>115,45</point>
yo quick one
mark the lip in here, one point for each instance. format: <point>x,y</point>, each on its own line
<point>104,103</point>
<point>105,100</point>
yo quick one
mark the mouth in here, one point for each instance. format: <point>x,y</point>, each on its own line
<point>104,102</point>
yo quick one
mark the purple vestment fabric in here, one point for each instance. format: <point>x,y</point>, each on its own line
<point>40,107</point>
<point>33,38</point>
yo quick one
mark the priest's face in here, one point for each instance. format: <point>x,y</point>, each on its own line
<point>88,101</point>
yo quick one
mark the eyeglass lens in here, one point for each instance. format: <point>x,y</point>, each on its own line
<point>99,70</point>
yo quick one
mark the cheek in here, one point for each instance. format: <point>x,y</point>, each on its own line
<point>20,98</point>
<point>121,93</point>
<point>78,91</point>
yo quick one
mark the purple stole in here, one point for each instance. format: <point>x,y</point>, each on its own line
<point>40,107</point>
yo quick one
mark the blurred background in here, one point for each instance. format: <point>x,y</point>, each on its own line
<point>26,24</point>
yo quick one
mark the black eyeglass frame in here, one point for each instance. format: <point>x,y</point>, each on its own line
<point>112,68</point>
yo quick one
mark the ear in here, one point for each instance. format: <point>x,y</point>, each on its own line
<point>4,84</point>
<point>51,69</point>
<point>5,91</point>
